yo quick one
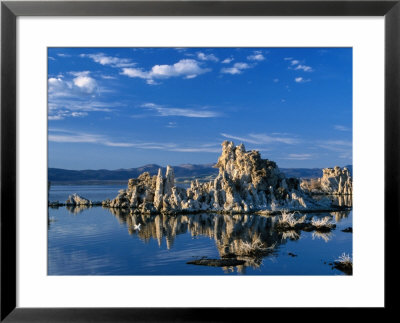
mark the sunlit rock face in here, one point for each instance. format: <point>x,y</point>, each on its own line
<point>76,200</point>
<point>336,181</point>
<point>245,183</point>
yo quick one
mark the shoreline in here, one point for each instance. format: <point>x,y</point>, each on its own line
<point>258,212</point>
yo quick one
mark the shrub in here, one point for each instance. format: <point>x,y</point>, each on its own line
<point>289,220</point>
<point>324,222</point>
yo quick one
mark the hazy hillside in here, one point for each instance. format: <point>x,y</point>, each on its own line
<point>183,173</point>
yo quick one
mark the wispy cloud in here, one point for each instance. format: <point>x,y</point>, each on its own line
<point>298,66</point>
<point>237,68</point>
<point>108,77</point>
<point>180,112</point>
<point>62,114</point>
<point>171,125</point>
<point>109,60</point>
<point>74,95</point>
<point>342,147</point>
<point>259,139</point>
<point>298,156</point>
<point>257,56</point>
<point>345,143</point>
<point>227,60</point>
<point>207,57</point>
<point>341,128</point>
<point>186,68</point>
<point>304,68</point>
<point>63,55</point>
<point>66,136</point>
<point>301,80</point>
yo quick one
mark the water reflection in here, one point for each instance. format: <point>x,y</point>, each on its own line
<point>326,236</point>
<point>76,209</point>
<point>337,200</point>
<point>339,216</point>
<point>243,236</point>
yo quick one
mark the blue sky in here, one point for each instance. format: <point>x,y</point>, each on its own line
<point>126,107</point>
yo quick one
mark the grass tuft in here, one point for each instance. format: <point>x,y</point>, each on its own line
<point>325,222</point>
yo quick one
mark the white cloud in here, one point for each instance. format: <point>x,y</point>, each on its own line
<point>297,66</point>
<point>85,83</point>
<point>227,60</point>
<point>82,84</point>
<point>63,55</point>
<point>187,68</point>
<point>179,112</point>
<point>135,72</point>
<point>236,69</point>
<point>341,128</point>
<point>109,60</point>
<point>305,68</point>
<point>257,56</point>
<point>207,57</point>
<point>301,80</point>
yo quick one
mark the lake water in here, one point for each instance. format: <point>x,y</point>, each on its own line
<point>101,241</point>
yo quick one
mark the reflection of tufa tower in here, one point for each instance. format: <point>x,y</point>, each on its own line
<point>232,233</point>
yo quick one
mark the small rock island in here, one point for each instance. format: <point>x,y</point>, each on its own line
<point>246,183</point>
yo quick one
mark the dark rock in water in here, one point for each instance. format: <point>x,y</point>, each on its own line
<point>349,229</point>
<point>292,254</point>
<point>229,255</point>
<point>227,262</point>
<point>343,267</point>
<point>55,204</point>
<point>325,229</point>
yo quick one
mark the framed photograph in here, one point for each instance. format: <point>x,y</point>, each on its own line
<point>161,158</point>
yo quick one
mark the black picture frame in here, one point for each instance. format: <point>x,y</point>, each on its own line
<point>10,10</point>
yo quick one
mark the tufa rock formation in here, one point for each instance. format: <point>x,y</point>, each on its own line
<point>335,181</point>
<point>245,183</point>
<point>76,200</point>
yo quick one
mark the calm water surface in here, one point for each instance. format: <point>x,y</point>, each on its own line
<point>98,241</point>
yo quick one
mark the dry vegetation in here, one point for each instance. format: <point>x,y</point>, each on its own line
<point>253,249</point>
<point>345,264</point>
<point>289,220</point>
<point>324,222</point>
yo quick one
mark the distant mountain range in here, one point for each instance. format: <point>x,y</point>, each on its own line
<point>183,173</point>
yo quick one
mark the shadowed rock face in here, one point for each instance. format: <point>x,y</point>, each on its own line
<point>245,183</point>
<point>336,181</point>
